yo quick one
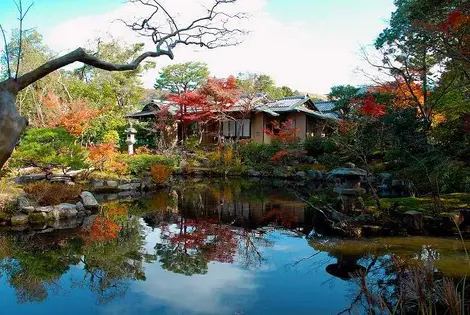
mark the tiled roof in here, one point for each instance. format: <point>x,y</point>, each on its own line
<point>287,103</point>
<point>325,106</point>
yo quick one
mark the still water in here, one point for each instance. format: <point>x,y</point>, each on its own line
<point>223,247</point>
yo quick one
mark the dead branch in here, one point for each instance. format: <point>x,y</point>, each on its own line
<point>80,55</point>
<point>7,54</point>
<point>19,6</point>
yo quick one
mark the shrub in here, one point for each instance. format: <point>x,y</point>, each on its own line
<point>48,148</point>
<point>48,194</point>
<point>111,136</point>
<point>102,155</point>
<point>317,146</point>
<point>160,173</point>
<point>139,164</point>
<point>254,153</point>
<point>228,155</point>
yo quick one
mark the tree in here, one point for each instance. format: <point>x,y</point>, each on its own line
<point>343,95</point>
<point>184,77</point>
<point>211,31</point>
<point>254,83</point>
<point>416,56</point>
<point>47,148</point>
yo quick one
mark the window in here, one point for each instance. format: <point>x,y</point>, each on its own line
<point>240,127</point>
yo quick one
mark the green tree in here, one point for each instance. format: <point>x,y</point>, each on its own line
<point>343,96</point>
<point>49,148</point>
<point>183,77</point>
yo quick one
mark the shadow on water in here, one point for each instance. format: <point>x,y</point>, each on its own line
<point>242,248</point>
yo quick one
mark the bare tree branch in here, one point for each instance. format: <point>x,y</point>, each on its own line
<point>7,54</point>
<point>19,6</point>
<point>80,55</point>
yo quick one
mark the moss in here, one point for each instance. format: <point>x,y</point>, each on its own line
<point>426,204</point>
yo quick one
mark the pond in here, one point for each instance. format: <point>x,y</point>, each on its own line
<point>212,247</point>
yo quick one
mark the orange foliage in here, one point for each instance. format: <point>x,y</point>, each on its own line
<point>160,173</point>
<point>74,116</point>
<point>285,133</point>
<point>49,194</point>
<point>102,154</point>
<point>102,230</point>
<point>403,95</point>
<point>279,155</point>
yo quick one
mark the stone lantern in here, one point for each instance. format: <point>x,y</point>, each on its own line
<point>130,140</point>
<point>349,186</point>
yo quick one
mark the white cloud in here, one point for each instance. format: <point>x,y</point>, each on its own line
<point>303,55</point>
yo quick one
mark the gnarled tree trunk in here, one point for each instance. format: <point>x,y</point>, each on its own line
<point>12,124</point>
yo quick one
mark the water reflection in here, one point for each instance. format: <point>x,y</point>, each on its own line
<point>213,248</point>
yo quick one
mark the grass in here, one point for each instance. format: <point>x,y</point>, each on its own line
<point>9,191</point>
<point>450,202</point>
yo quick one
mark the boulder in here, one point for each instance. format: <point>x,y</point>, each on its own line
<point>44,209</point>
<point>27,210</point>
<point>253,173</point>
<point>19,219</point>
<point>132,186</point>
<point>301,174</point>
<point>67,224</point>
<point>80,207</point>
<point>88,221</point>
<point>38,218</point>
<point>65,211</point>
<point>413,221</point>
<point>97,184</point>
<point>112,183</point>
<point>5,217</point>
<point>22,202</point>
<point>88,200</point>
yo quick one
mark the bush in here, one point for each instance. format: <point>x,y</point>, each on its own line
<point>160,173</point>
<point>49,194</point>
<point>455,177</point>
<point>139,164</point>
<point>48,148</point>
<point>254,153</point>
<point>317,146</point>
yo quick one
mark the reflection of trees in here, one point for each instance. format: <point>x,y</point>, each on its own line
<point>110,257</point>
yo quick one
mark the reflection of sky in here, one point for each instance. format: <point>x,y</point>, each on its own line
<point>275,288</point>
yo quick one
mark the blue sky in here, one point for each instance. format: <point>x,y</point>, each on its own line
<point>329,34</point>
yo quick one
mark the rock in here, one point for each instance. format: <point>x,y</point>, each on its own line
<point>112,197</point>
<point>46,230</point>
<point>414,222</point>
<point>19,219</point>
<point>124,181</point>
<point>132,186</point>
<point>80,207</point>
<point>27,210</point>
<point>44,209</point>
<point>88,221</point>
<point>67,224</point>
<point>112,183</point>
<point>301,174</point>
<point>65,211</point>
<point>22,202</point>
<point>38,218</point>
<point>20,228</point>
<point>253,173</point>
<point>97,184</point>
<point>5,217</point>
<point>135,181</point>
<point>88,200</point>
<point>350,165</point>
<point>81,214</point>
